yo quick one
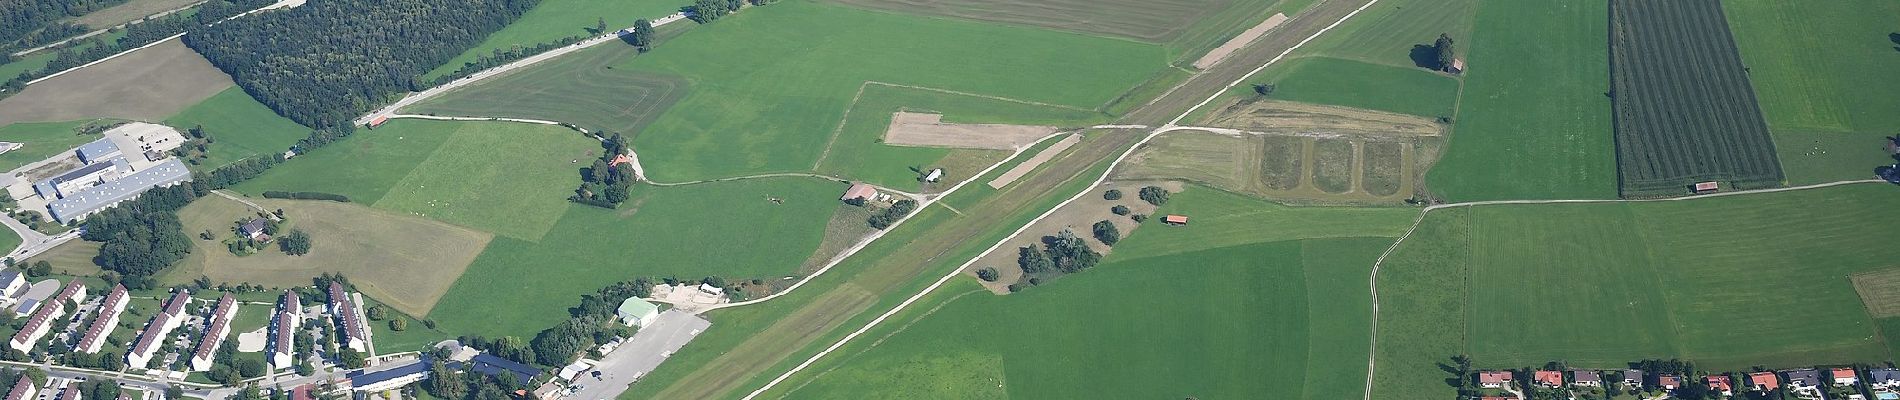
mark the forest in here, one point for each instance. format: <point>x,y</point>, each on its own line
<point>69,56</point>
<point>347,56</point>
<point>19,18</point>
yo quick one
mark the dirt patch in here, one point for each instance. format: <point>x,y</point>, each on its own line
<point>1301,168</point>
<point>1282,166</point>
<point>1030,165</point>
<point>1274,116</point>
<point>130,11</point>
<point>1332,166</point>
<point>1383,164</point>
<point>1220,53</point>
<point>1080,217</point>
<point>150,84</point>
<point>929,130</point>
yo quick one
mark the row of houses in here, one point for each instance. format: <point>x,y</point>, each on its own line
<point>161,325</point>
<point>107,318</point>
<point>349,319</point>
<point>215,333</point>
<point>41,321</point>
<point>1804,382</point>
<point>284,326</point>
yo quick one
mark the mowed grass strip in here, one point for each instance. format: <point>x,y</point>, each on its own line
<point>1880,291</point>
<point>579,88</point>
<point>1685,112</point>
<point>858,150</point>
<point>1343,82</point>
<point>1389,32</point>
<point>239,126</point>
<point>552,20</point>
<point>363,167</point>
<point>1149,21</point>
<point>1223,219</point>
<point>506,178</point>
<point>1820,72</point>
<point>1533,121</point>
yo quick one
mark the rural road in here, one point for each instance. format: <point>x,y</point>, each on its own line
<point>1373,352</point>
<point>417,97</point>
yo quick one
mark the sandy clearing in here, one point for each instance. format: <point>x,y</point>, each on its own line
<point>1220,53</point>
<point>148,84</point>
<point>1030,165</point>
<point>929,130</point>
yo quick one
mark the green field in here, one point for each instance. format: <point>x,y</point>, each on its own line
<point>518,287</point>
<point>580,88</point>
<point>507,178</point>
<point>41,140</point>
<point>1533,120</point>
<point>552,20</point>
<point>743,118</point>
<point>9,240</point>
<point>239,126</point>
<point>1387,32</point>
<point>1820,70</point>
<point>858,150</point>
<point>1602,284</point>
<point>1342,82</point>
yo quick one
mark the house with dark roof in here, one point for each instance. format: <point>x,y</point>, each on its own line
<point>254,229</point>
<point>1585,378</point>
<point>491,365</point>
<point>11,282</point>
<point>1884,377</point>
<point>1804,378</point>
<point>1632,377</point>
<point>391,378</point>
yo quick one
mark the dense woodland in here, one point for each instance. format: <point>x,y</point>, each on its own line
<point>20,18</point>
<point>325,62</point>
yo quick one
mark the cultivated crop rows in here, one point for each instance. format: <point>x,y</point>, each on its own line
<point>1685,111</point>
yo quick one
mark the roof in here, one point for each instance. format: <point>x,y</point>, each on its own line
<point>1668,380</point>
<point>1633,375</point>
<point>26,305</point>
<point>71,392</point>
<point>1175,219</point>
<point>352,326</point>
<point>491,365</point>
<point>1584,375</point>
<point>104,147</point>
<point>149,337</point>
<point>220,320</point>
<point>7,276</point>
<point>20,388</point>
<point>620,159</point>
<point>1458,63</point>
<point>636,306</point>
<point>1804,377</point>
<point>165,173</point>
<point>301,392</point>
<point>1884,374</point>
<point>283,338</point>
<point>253,226</point>
<point>1552,378</point>
<point>859,191</point>
<point>96,331</point>
<point>44,315</point>
<point>1494,376</point>
<point>1840,373</point>
<point>1718,382</point>
<point>362,379</point>
<point>1765,379</point>
<point>1710,185</point>
<point>45,186</point>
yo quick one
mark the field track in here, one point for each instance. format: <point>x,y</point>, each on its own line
<point>1371,359</point>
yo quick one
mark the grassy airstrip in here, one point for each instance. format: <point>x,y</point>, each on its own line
<point>239,127</point>
<point>1820,71</point>
<point>552,20</point>
<point>1727,282</point>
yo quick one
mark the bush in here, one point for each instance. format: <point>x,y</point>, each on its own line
<point>1107,233</point>
<point>296,244</point>
<point>398,324</point>
<point>1015,287</point>
<point>1112,194</point>
<point>306,196</point>
<point>1139,218</point>
<point>1154,195</point>
<point>891,215</point>
<point>377,313</point>
<point>987,274</point>
<point>1119,209</point>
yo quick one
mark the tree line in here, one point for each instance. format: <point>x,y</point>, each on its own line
<point>69,55</point>
<point>323,63</point>
<point>605,183</point>
<point>21,18</point>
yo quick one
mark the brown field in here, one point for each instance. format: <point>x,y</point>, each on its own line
<point>130,11</point>
<point>1030,165</point>
<point>1333,164</point>
<point>1274,116</point>
<point>929,130</point>
<point>1220,53</point>
<point>1144,20</point>
<point>148,84</point>
<point>405,261</point>
<point>1079,217</point>
<point>845,228</point>
<point>1312,168</point>
<point>1384,167</point>
<point>1880,290</point>
<point>1281,166</point>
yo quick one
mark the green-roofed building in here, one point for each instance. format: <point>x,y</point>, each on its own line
<point>637,312</point>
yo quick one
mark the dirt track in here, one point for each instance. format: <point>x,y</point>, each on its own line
<point>929,130</point>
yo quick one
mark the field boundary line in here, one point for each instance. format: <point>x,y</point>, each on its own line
<point>1045,214</point>
<point>998,98</point>
<point>839,130</point>
<point>1372,357</point>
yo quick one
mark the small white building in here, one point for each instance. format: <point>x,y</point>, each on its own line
<point>637,312</point>
<point>712,290</point>
<point>934,175</point>
<point>11,283</point>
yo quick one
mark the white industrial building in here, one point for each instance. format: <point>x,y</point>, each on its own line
<point>637,312</point>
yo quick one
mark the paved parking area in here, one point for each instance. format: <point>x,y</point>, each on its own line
<point>639,355</point>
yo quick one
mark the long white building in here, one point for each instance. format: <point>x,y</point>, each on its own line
<point>349,319</point>
<point>284,331</point>
<point>107,319</point>
<point>214,333</point>
<point>42,319</point>
<point>155,331</point>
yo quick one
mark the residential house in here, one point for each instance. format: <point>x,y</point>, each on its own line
<point>284,328</point>
<point>349,319</point>
<point>1888,378</point>
<point>215,333</point>
<point>1494,379</point>
<point>1632,378</point>
<point>1764,381</point>
<point>1844,376</point>
<point>11,282</point>
<point>1807,378</point>
<point>1720,384</point>
<point>23,389</point>
<point>1586,378</point>
<point>1548,378</point>
<point>1668,381</point>
<point>71,392</point>
<point>108,318</point>
<point>41,321</point>
<point>155,331</point>
<point>368,382</point>
<point>254,229</point>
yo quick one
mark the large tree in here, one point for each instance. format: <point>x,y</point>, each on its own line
<point>642,33</point>
<point>1445,52</point>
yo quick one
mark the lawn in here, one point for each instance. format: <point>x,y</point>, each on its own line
<point>1271,320</point>
<point>552,20</point>
<point>1820,71</point>
<point>858,150</point>
<point>1601,284</point>
<point>742,118</point>
<point>518,287</point>
<point>1342,82</point>
<point>9,240</point>
<point>1533,121</point>
<point>41,140</point>
<point>239,127</point>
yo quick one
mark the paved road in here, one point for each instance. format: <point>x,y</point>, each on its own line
<point>640,355</point>
<point>33,242</point>
<point>417,97</point>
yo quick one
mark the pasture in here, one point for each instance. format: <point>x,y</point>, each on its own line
<point>1601,284</point>
<point>1819,70</point>
<point>239,126</point>
<point>1343,82</point>
<point>1685,112</point>
<point>858,151</point>
<point>1533,120</point>
<point>1388,32</point>
<point>363,167</point>
<point>580,88</point>
<point>148,84</point>
<point>404,261</point>
<point>42,140</point>
<point>732,229</point>
<point>552,20</point>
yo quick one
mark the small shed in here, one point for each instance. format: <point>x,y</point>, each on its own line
<point>934,175</point>
<point>1457,66</point>
<point>637,312</point>
<point>1704,187</point>
<point>1175,219</point>
<point>380,119</point>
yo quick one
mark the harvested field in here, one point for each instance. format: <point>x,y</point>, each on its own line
<point>1220,53</point>
<point>1333,165</point>
<point>1078,217</point>
<point>130,11</point>
<point>1153,21</point>
<point>41,140</point>
<point>1685,111</point>
<point>1314,168</point>
<point>1026,166</point>
<point>1281,161</point>
<point>929,130</point>
<point>1275,116</point>
<point>148,84</point>
<point>858,149</point>
<point>1879,291</point>
<point>405,261</point>
<point>1382,167</point>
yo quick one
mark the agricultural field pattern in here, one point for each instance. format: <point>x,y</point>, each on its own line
<point>950,199</point>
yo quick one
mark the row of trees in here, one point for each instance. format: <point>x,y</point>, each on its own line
<point>890,215</point>
<point>499,56</point>
<point>465,384</point>
<point>70,55</point>
<point>605,183</point>
<point>323,63</point>
<point>21,18</point>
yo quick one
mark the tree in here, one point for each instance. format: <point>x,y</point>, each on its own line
<point>1263,89</point>
<point>987,274</point>
<point>1033,260</point>
<point>174,392</point>
<point>1154,195</point>
<point>600,25</point>
<point>250,367</point>
<point>443,383</point>
<point>40,268</point>
<point>642,33</point>
<point>377,313</point>
<point>1443,48</point>
<point>350,358</point>
<point>1119,210</point>
<point>1107,233</point>
<point>1112,194</point>
<point>296,243</point>
<point>398,324</point>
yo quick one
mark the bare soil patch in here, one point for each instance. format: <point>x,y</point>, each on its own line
<point>1880,290</point>
<point>1274,116</point>
<point>1332,167</point>
<point>1079,217</point>
<point>929,130</point>
<point>1030,165</point>
<point>1383,167</point>
<point>149,84</point>
<point>1288,167</point>
<point>130,11</point>
<point>1282,166</point>
<point>1220,53</point>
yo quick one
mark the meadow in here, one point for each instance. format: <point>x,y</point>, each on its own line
<point>552,20</point>
<point>1388,32</point>
<point>41,140</point>
<point>1685,112</point>
<point>1533,120</point>
<point>1819,71</point>
<point>239,126</point>
<point>580,88</point>
<point>1343,82</point>
<point>1601,284</point>
<point>858,151</point>
<point>1351,167</point>
<point>363,167</point>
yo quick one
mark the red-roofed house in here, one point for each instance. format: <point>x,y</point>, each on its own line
<point>1764,381</point>
<point>214,335</point>
<point>1173,219</point>
<point>1844,376</point>
<point>1668,382</point>
<point>71,392</point>
<point>859,192</point>
<point>41,321</point>
<point>108,318</point>
<point>155,331</point>
<point>23,389</point>
<point>1548,378</point>
<point>284,328</point>
<point>620,159</point>
<point>349,319</point>
<point>1721,384</point>
<point>1494,379</point>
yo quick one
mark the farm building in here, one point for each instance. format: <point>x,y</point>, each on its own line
<point>1705,187</point>
<point>154,334</point>
<point>934,175</point>
<point>637,312</point>
<point>1457,66</point>
<point>859,191</point>
<point>1175,219</point>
